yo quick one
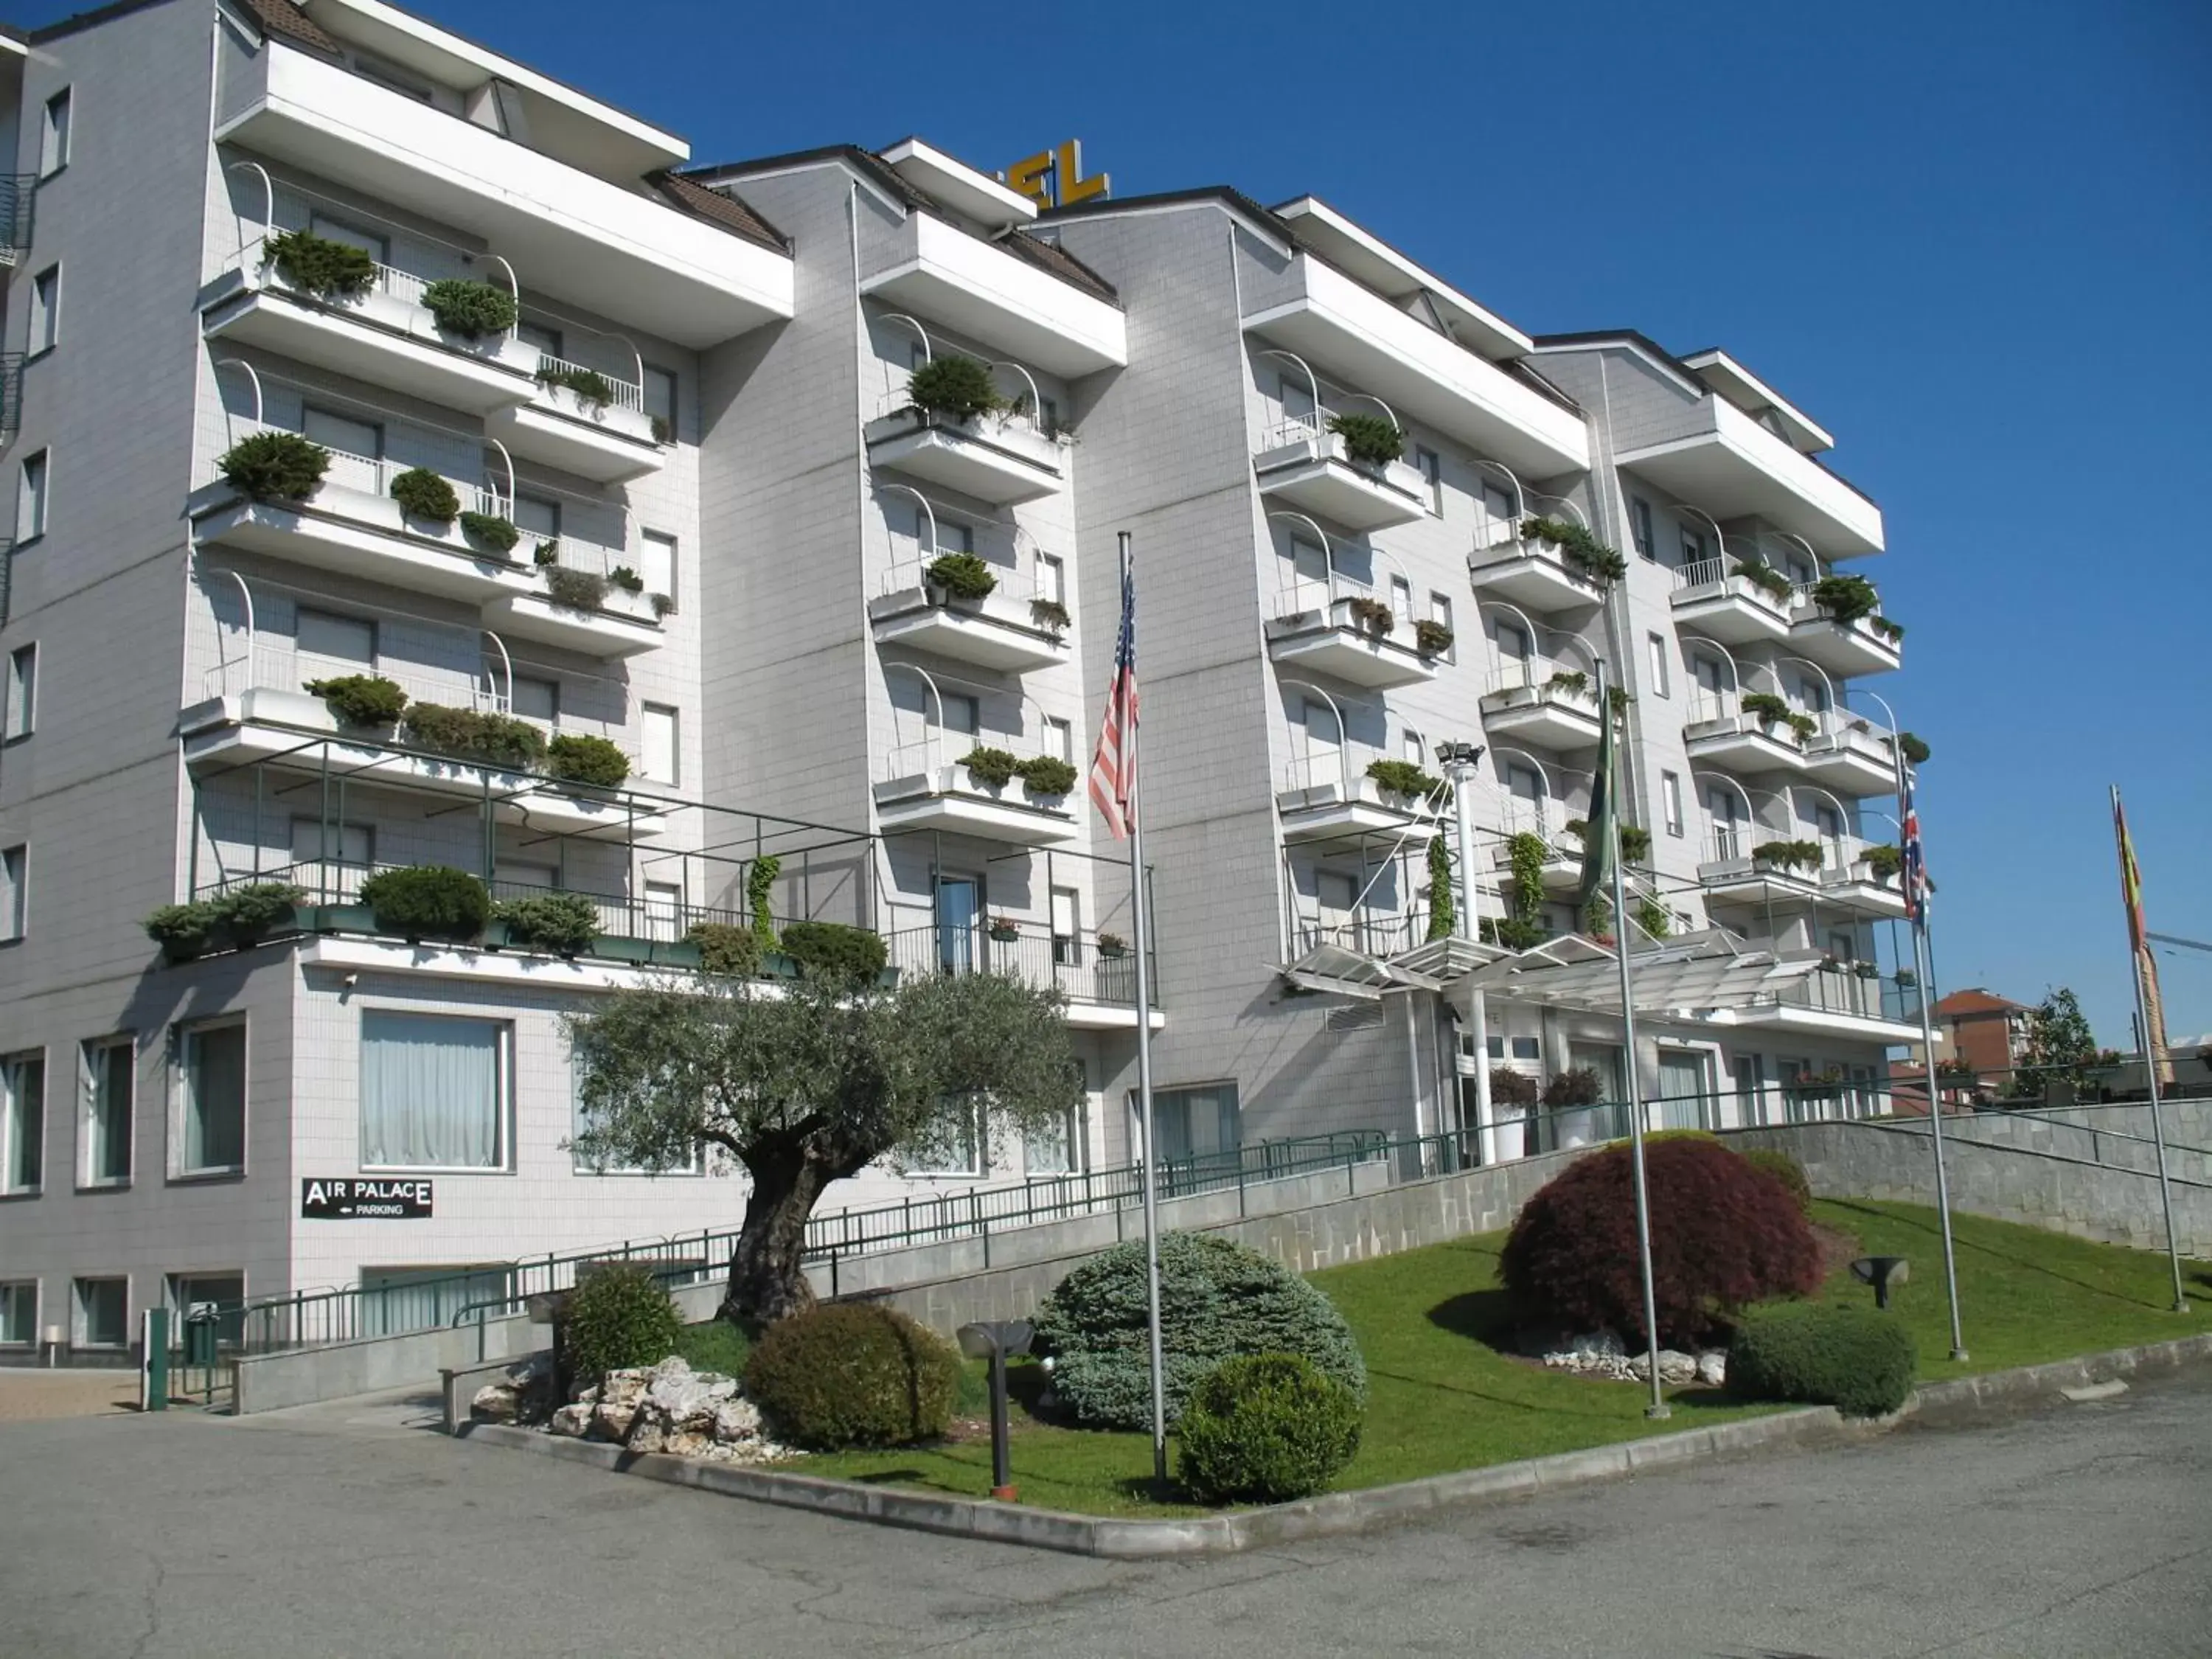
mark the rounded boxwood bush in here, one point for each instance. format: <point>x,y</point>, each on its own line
<point>471,734</point>
<point>1048,775</point>
<point>470,309</point>
<point>1265,1429</point>
<point>963,576</point>
<point>1368,440</point>
<point>587,760</point>
<point>995,769</point>
<point>1724,1236</point>
<point>422,494</point>
<point>853,1374</point>
<point>1218,1300</point>
<point>360,699</point>
<point>316,265</point>
<point>430,901</point>
<point>832,949</point>
<point>958,388</point>
<point>1857,1359</point>
<point>727,948</point>
<point>618,1316</point>
<point>563,923</point>
<point>488,530</point>
<point>1784,1169</point>
<point>275,466</point>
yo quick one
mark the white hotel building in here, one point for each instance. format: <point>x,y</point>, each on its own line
<point>720,569</point>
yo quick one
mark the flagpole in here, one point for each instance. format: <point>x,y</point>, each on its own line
<point>1141,937</point>
<point>1923,968</point>
<point>2131,892</point>
<point>1658,1408</point>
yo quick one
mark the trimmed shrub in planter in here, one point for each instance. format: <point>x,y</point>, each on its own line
<point>471,734</point>
<point>360,699</point>
<point>626,579</point>
<point>1432,638</point>
<point>726,948</point>
<point>995,769</point>
<point>430,901</point>
<point>1724,1236</point>
<point>422,494</point>
<point>315,264</point>
<point>1653,917</point>
<point>1784,1169</point>
<point>1846,599</point>
<point>470,309</point>
<point>545,553</point>
<point>488,530</point>
<point>275,466</point>
<point>830,950</point>
<point>1218,1300</point>
<point>183,931</point>
<point>592,389</point>
<point>1372,615</point>
<point>1050,614</point>
<point>956,388</point>
<point>853,1374</point>
<point>663,434</point>
<point>1513,932</point>
<point>1368,440</point>
<point>1580,549</point>
<point>587,760</point>
<point>1578,1085</point>
<point>1112,946</point>
<point>578,590</point>
<point>1635,840</point>
<point>1788,854</point>
<point>962,576</point>
<point>1915,750</point>
<point>242,916</point>
<point>1884,862</point>
<point>1510,1088</point>
<point>1765,577</point>
<point>1764,707</point>
<point>1048,775</point>
<point>1857,1359</point>
<point>1401,777</point>
<point>619,1315</point>
<point>1266,1429</point>
<point>563,923</point>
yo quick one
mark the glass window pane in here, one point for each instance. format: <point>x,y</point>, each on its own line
<point>23,1129</point>
<point>659,393</point>
<point>103,1312</point>
<point>110,1077</point>
<point>214,1098</point>
<point>430,1092</point>
<point>337,230</point>
<point>22,690</point>
<point>18,1313</point>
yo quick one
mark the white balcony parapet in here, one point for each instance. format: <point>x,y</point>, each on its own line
<point>1710,597</point>
<point>561,425</point>
<point>1728,465</point>
<point>1339,636</point>
<point>1004,459</point>
<point>1002,630</point>
<point>612,250</point>
<point>1862,646</point>
<point>924,791</point>
<point>979,290</point>
<point>1339,325</point>
<point>1721,732</point>
<point>1528,571</point>
<point>1328,796</point>
<point>1852,755</point>
<point>1301,462</point>
<point>1557,710</point>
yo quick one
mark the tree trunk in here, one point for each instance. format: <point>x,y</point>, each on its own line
<point>767,1281</point>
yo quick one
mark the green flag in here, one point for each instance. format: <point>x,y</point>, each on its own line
<point>1596,890</point>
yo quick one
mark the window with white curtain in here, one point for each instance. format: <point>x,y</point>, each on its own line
<point>1051,579</point>
<point>1057,1147</point>
<point>657,731</point>
<point>432,1091</point>
<point>954,1144</point>
<point>109,1080</point>
<point>1192,1122</point>
<point>656,564</point>
<point>314,841</point>
<point>1057,739</point>
<point>213,1087</point>
<point>1657,646</point>
<point>23,1121</point>
<point>1670,801</point>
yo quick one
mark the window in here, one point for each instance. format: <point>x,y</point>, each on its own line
<point>1297,402</point>
<point>1527,1048</point>
<point>956,712</point>
<point>1056,1148</point>
<point>1639,526</point>
<point>1496,503</point>
<point>18,1313</point>
<point>656,564</point>
<point>1051,579</point>
<point>1059,739</point>
<point>314,841</point>
<point>22,690</point>
<point>659,394</point>
<point>581,1118</point>
<point>1409,746</point>
<point>343,433</point>
<point>1693,546</point>
<point>1432,467</point>
<point>15,878</point>
<point>343,639</point>
<point>1657,642</point>
<point>103,1313</point>
<point>1440,611</point>
<point>396,1300</point>
<point>1670,801</point>
<point>536,516</point>
<point>663,905</point>
<point>536,699</point>
<point>31,498</point>
<point>213,1073</point>
<point>23,1122</point>
<point>46,309</point>
<point>433,1093</point>
<point>657,728</point>
<point>1066,930</point>
<point>1192,1122</point>
<point>108,1088</point>
<point>1401,598</point>
<point>54,137</point>
<point>956,1145</point>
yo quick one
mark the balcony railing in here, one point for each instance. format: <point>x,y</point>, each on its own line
<point>18,191</point>
<point>1369,932</point>
<point>625,395</point>
<point>1073,963</point>
<point>1843,990</point>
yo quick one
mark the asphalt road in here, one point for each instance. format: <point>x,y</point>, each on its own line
<point>2086,1529</point>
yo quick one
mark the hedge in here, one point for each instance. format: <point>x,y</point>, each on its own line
<point>1857,1359</point>
<point>853,1374</point>
<point>1266,1429</point>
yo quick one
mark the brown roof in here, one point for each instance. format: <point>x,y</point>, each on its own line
<point>1976,1001</point>
<point>1046,256</point>
<point>283,17</point>
<point>717,208</point>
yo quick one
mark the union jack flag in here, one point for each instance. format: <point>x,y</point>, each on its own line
<point>1916,883</point>
<point>1114,768</point>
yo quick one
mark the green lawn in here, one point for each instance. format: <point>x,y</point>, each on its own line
<point>1442,1396</point>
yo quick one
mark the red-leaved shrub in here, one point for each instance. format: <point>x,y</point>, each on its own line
<point>1723,1234</point>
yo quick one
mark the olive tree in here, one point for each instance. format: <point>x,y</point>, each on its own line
<point>808,1083</point>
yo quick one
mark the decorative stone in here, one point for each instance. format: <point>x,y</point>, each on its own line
<point>688,1445</point>
<point>1712,1368</point>
<point>736,1421</point>
<point>572,1420</point>
<point>612,1422</point>
<point>647,1436</point>
<point>495,1402</point>
<point>1674,1366</point>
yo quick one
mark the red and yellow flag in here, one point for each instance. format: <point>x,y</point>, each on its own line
<point>2139,942</point>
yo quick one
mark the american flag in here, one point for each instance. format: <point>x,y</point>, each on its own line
<point>1916,884</point>
<point>1114,768</point>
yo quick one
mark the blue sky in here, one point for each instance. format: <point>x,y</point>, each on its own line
<point>1969,237</point>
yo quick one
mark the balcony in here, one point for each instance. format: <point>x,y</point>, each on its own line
<point>1732,874</point>
<point>622,624</point>
<point>604,246</point>
<point>1546,820</point>
<point>1835,1000</point>
<point>384,337</point>
<point>1326,799</point>
<point>563,426</point>
<point>924,791</point>
<point>1719,734</point>
<point>1728,465</point>
<point>1303,467</point>
<point>1850,883</point>
<point>1001,631</point>
<point>979,289</point>
<point>1858,646</point>
<point>1529,572</point>
<point>287,730</point>
<point>1364,341</point>
<point>1001,460</point>
<point>1851,756</point>
<point>1559,712</point>
<point>1100,984</point>
<point>1731,609</point>
<point>1339,639</point>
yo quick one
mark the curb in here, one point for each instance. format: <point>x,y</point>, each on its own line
<point>1338,1513</point>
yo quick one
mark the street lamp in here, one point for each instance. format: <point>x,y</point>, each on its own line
<point>994,1339</point>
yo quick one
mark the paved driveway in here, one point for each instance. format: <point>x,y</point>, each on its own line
<point>339,1530</point>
